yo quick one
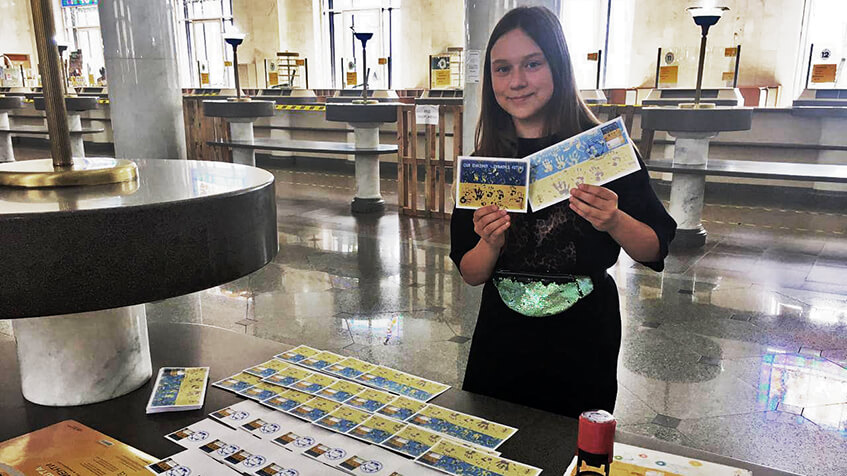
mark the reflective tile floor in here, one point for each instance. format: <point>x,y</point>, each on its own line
<point>739,348</point>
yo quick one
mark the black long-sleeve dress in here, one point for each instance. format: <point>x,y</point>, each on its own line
<point>565,363</point>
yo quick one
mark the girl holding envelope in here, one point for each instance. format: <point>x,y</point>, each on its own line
<point>549,328</point>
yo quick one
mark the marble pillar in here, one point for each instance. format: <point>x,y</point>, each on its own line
<point>368,198</point>
<point>241,128</point>
<point>139,48</point>
<point>688,190</point>
<point>7,154</point>
<point>75,124</point>
<point>832,133</point>
<point>77,359</point>
<point>480,19</point>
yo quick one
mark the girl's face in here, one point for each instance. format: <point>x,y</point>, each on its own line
<point>522,81</point>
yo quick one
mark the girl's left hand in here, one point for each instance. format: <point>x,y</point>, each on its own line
<point>598,205</point>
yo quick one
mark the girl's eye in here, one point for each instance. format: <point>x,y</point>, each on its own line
<point>533,64</point>
<point>501,69</point>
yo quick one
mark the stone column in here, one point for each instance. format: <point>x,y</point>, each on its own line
<point>832,133</point>
<point>139,47</point>
<point>480,19</point>
<point>368,197</point>
<point>688,190</point>
<point>76,359</point>
<point>75,124</point>
<point>7,153</point>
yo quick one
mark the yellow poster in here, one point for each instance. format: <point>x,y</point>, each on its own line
<point>466,428</point>
<point>273,78</point>
<point>401,408</point>
<point>70,447</point>
<point>266,369</point>
<point>383,61</point>
<point>592,56</point>
<point>350,367</point>
<point>402,383</point>
<point>351,78</point>
<point>412,441</point>
<point>297,354</point>
<point>238,382</point>
<point>204,78</point>
<point>728,76</point>
<point>668,74</point>
<point>321,360</point>
<point>343,419</point>
<point>376,429</point>
<point>341,390</point>
<point>730,52</point>
<point>454,458</point>
<point>442,78</point>
<point>824,73</point>
<point>288,376</point>
<point>300,62</point>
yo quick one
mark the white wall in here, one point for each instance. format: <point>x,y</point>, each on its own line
<point>768,31</point>
<point>16,31</point>
<point>423,28</point>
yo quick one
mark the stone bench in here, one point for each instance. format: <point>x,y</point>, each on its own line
<point>756,170</point>
<point>367,162</point>
<point>312,146</point>
<point>44,131</point>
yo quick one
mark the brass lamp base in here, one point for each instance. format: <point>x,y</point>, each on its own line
<point>84,172</point>
<point>702,105</point>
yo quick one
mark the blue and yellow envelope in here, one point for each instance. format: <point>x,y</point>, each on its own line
<point>486,181</point>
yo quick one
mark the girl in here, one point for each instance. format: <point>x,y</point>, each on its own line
<point>559,356</point>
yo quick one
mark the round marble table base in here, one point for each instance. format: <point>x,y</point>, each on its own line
<point>367,205</point>
<point>77,359</point>
<point>75,124</point>
<point>688,190</point>
<point>368,197</point>
<point>689,239</point>
<point>7,154</point>
<point>242,129</point>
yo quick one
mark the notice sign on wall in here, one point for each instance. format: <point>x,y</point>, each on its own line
<point>204,78</point>
<point>668,74</point>
<point>426,114</point>
<point>472,66</point>
<point>442,78</point>
<point>352,79</point>
<point>592,56</point>
<point>440,69</point>
<point>728,75</point>
<point>730,52</point>
<point>824,73</point>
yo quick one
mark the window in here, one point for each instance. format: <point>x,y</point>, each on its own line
<point>344,53</point>
<point>823,53</point>
<point>200,28</point>
<point>82,32</point>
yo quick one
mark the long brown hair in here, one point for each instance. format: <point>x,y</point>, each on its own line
<point>566,113</point>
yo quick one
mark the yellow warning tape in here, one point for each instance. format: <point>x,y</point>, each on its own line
<point>103,101</point>
<point>291,107</point>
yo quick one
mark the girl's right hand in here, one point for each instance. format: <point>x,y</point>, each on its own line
<point>491,223</point>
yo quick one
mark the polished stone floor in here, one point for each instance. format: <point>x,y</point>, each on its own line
<point>739,348</point>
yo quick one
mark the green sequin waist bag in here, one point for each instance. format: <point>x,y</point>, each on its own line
<point>541,295</point>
